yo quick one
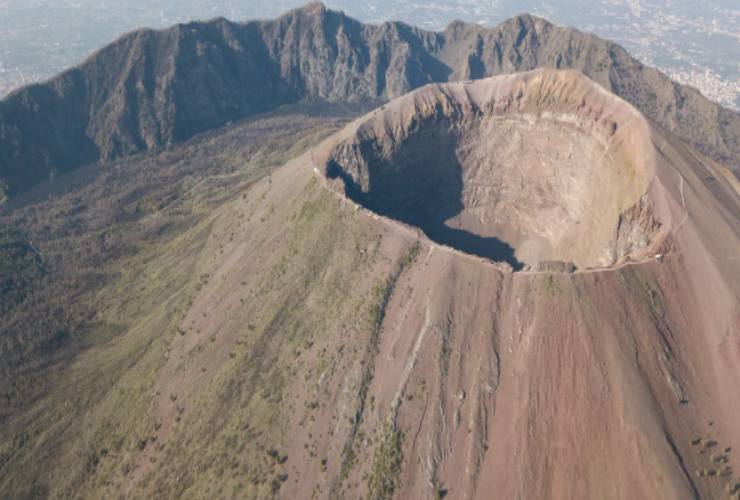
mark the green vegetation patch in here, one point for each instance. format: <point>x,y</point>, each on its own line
<point>550,286</point>
<point>382,293</point>
<point>21,266</point>
<point>386,469</point>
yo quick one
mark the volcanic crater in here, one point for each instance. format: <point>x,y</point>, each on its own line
<point>524,169</point>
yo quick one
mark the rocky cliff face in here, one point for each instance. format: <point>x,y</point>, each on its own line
<point>150,89</point>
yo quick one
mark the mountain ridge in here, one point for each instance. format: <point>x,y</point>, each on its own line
<point>151,89</point>
<point>212,321</point>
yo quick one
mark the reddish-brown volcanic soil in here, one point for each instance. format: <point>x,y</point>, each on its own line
<point>617,379</point>
<point>535,385</point>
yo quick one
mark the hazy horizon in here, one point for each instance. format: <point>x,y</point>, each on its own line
<point>40,38</point>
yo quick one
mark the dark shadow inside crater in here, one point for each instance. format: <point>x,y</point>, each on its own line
<point>488,247</point>
<point>422,185</point>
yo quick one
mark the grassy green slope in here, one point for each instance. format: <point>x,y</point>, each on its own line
<point>127,265</point>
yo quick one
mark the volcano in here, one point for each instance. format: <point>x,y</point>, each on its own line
<point>513,287</point>
<point>597,369</point>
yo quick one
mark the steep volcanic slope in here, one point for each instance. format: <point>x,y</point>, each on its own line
<point>611,383</point>
<point>407,369</point>
<point>150,89</point>
<point>92,283</point>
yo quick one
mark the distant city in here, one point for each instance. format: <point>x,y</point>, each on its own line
<point>695,44</point>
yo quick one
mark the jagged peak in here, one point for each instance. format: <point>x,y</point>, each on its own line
<point>456,24</point>
<point>524,17</point>
<point>528,21</point>
<point>311,9</point>
<point>313,13</point>
<point>523,21</point>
